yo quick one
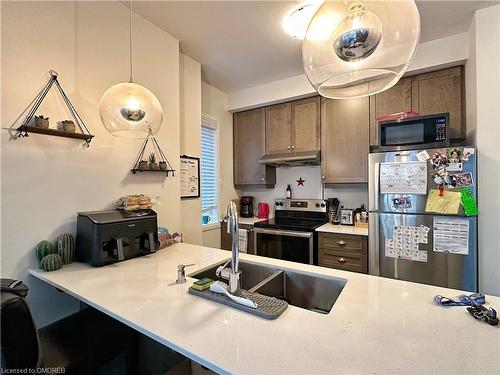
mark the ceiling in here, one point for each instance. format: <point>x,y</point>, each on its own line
<point>240,44</point>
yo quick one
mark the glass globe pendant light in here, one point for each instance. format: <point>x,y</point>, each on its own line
<point>360,49</point>
<point>130,110</point>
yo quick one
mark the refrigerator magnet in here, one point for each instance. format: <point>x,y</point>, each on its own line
<point>454,155</point>
<point>463,179</point>
<point>467,153</point>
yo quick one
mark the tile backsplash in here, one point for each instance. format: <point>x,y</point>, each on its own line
<point>350,196</point>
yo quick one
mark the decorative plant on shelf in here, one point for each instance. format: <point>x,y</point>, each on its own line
<point>152,161</point>
<point>143,165</point>
<point>40,122</point>
<point>157,160</point>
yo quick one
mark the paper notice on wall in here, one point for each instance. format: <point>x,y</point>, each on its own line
<point>403,178</point>
<point>404,243</point>
<point>451,235</point>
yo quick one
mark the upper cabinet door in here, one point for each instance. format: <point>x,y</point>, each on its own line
<point>344,140</point>
<point>440,92</point>
<point>394,100</point>
<point>278,129</point>
<point>248,147</point>
<point>306,125</point>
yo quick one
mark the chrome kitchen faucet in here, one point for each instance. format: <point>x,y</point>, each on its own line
<point>233,274</point>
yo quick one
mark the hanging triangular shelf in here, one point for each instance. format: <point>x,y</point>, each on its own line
<point>163,165</point>
<point>26,126</point>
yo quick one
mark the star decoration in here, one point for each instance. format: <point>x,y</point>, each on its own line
<point>300,181</point>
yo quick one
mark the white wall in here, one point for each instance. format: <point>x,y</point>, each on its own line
<point>351,196</point>
<point>214,104</point>
<point>190,120</point>
<point>487,69</point>
<point>47,180</point>
<point>439,53</point>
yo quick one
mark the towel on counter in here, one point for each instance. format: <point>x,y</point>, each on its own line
<point>243,240</point>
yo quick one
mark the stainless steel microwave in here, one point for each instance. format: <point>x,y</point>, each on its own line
<point>414,133</point>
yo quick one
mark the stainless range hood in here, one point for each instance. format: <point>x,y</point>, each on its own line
<point>292,159</point>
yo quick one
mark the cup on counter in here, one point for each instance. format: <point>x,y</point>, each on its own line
<point>205,219</point>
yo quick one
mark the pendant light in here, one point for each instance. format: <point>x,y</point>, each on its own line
<point>130,110</point>
<point>355,49</point>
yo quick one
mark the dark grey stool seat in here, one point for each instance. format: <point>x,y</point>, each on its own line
<point>81,343</point>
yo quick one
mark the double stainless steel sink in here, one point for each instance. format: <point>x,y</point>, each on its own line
<point>308,291</point>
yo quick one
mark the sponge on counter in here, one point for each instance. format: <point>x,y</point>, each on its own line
<point>202,284</point>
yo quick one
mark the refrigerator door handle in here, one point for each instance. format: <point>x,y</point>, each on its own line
<point>374,188</point>
<point>373,244</point>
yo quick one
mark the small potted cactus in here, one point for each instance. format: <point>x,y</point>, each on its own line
<point>163,165</point>
<point>152,162</point>
<point>40,122</point>
<point>143,165</point>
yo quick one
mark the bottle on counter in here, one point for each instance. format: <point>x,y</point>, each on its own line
<point>364,214</point>
<point>288,192</point>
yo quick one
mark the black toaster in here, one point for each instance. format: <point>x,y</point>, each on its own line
<point>105,237</point>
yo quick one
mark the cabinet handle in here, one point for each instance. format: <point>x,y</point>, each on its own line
<point>341,260</point>
<point>293,147</point>
<point>262,179</point>
<point>341,243</point>
<point>289,147</point>
<point>323,177</point>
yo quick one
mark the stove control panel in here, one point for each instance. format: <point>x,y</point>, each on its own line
<point>311,205</point>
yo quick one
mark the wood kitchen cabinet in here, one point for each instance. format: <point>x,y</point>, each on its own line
<point>344,140</point>
<point>278,129</point>
<point>248,147</point>
<point>343,251</point>
<point>293,127</point>
<point>396,99</point>
<point>440,92</point>
<point>306,125</point>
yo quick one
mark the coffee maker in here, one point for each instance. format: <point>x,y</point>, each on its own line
<point>246,209</point>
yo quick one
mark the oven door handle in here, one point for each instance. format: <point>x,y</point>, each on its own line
<point>278,232</point>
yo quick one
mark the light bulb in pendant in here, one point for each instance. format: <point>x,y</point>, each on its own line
<point>358,35</point>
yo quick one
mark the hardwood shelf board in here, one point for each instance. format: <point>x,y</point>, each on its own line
<point>54,132</point>
<point>166,171</point>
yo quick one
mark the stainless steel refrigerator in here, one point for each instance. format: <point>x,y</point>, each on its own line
<point>417,231</point>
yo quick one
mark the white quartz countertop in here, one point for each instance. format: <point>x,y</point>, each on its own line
<point>342,229</point>
<point>377,326</point>
<point>248,220</point>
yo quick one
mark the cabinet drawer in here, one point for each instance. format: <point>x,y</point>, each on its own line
<point>343,242</point>
<point>343,261</point>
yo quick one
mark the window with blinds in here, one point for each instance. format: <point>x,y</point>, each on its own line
<point>209,172</point>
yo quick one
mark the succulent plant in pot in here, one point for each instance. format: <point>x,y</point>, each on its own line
<point>40,122</point>
<point>163,165</point>
<point>152,162</point>
<point>67,126</point>
<point>143,165</point>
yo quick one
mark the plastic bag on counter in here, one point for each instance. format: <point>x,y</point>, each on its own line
<point>134,202</point>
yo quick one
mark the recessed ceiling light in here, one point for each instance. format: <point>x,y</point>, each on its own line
<point>297,19</point>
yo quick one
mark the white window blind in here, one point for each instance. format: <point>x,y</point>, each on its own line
<point>209,175</point>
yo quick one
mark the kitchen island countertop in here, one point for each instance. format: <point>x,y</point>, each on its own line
<point>377,325</point>
<point>342,229</point>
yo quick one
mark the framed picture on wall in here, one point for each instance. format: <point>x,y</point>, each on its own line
<point>190,177</point>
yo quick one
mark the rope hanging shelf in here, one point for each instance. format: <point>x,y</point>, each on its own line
<point>157,160</point>
<point>30,119</point>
